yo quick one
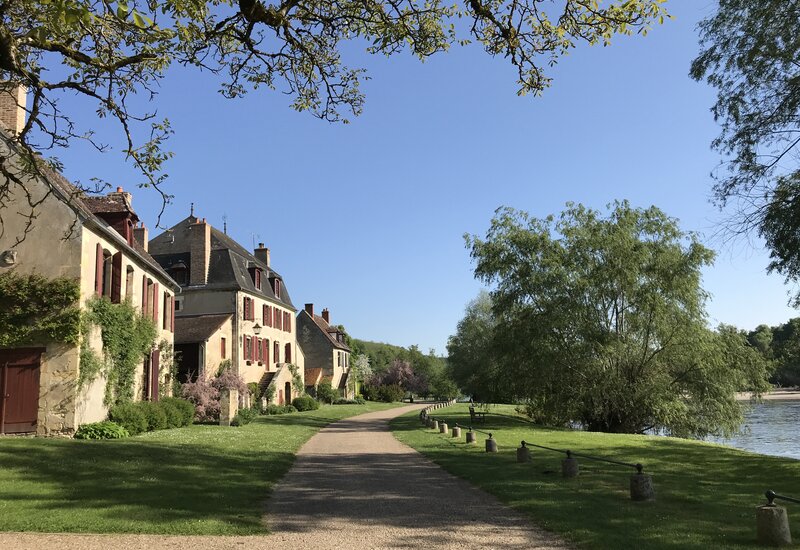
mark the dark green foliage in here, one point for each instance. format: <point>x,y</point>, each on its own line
<point>389,393</point>
<point>183,407</point>
<point>37,310</point>
<point>370,393</point>
<point>255,391</point>
<point>326,393</point>
<point>130,416</point>
<point>244,416</point>
<point>600,318</point>
<point>305,403</point>
<point>750,54</point>
<point>101,430</point>
<point>172,412</point>
<point>349,402</point>
<point>360,400</point>
<point>154,414</point>
<point>127,337</point>
<point>279,409</point>
<point>780,346</point>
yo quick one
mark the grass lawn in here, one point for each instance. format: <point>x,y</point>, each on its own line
<point>706,494</point>
<point>193,480</point>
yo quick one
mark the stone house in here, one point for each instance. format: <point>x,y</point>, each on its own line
<point>327,355</point>
<point>234,309</point>
<point>96,241</point>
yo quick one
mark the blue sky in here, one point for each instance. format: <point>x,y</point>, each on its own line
<point>367,219</point>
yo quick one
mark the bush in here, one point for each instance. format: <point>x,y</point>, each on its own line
<point>155,414</point>
<point>245,416</point>
<point>101,430</point>
<point>129,416</point>
<point>360,400</point>
<point>370,393</point>
<point>347,402</point>
<point>279,409</point>
<point>305,403</point>
<point>289,409</point>
<point>326,393</point>
<point>390,393</point>
<point>171,411</point>
<point>184,408</point>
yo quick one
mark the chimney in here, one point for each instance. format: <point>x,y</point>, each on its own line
<point>199,252</point>
<point>262,254</point>
<point>13,98</point>
<point>326,315</point>
<point>120,192</point>
<point>310,309</point>
<point>140,234</point>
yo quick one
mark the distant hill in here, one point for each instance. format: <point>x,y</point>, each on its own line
<point>381,355</point>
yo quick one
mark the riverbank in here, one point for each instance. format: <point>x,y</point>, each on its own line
<point>706,494</point>
<point>778,394</point>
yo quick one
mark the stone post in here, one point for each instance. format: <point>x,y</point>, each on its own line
<point>435,425</point>
<point>642,486</point>
<point>491,445</point>
<point>523,453</point>
<point>772,524</point>
<point>471,437</point>
<point>443,428</point>
<point>456,431</point>
<point>228,406</point>
<point>569,466</point>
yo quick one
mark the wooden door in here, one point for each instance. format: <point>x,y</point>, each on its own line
<point>19,389</point>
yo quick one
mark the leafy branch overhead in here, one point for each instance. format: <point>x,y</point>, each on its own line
<point>109,51</point>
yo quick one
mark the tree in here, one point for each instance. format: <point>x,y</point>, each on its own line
<point>114,51</point>
<point>601,320</point>
<point>472,359</point>
<point>751,54</point>
<point>786,351</point>
<point>361,371</point>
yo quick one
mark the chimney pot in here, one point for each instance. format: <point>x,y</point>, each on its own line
<point>310,309</point>
<point>119,189</point>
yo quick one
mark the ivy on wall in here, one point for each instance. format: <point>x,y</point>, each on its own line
<point>127,337</point>
<point>37,310</point>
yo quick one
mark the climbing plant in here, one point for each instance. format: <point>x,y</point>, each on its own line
<point>297,381</point>
<point>38,310</point>
<point>127,336</point>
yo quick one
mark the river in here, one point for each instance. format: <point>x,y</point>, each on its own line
<point>770,428</point>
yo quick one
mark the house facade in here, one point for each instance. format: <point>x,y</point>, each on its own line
<point>326,353</point>
<point>95,241</point>
<point>234,309</point>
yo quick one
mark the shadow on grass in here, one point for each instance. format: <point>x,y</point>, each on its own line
<point>706,494</point>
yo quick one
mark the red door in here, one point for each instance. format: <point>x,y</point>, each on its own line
<point>19,389</point>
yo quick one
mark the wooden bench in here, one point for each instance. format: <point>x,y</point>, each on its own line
<point>476,416</point>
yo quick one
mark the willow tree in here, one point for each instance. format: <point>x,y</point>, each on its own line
<point>111,51</point>
<point>600,319</point>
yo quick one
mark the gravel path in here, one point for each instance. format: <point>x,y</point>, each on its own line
<point>353,485</point>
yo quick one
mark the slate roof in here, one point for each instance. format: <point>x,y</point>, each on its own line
<point>113,202</point>
<point>228,265</point>
<point>199,328</point>
<point>328,330</point>
<point>78,200</point>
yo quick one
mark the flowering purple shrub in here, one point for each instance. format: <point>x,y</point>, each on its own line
<point>205,394</point>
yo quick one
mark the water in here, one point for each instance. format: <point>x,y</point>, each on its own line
<point>770,428</point>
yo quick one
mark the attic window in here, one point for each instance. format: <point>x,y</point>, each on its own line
<point>276,287</point>
<point>180,273</point>
<point>257,278</point>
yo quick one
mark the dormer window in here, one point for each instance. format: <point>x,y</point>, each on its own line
<point>180,273</point>
<point>257,279</point>
<point>276,287</point>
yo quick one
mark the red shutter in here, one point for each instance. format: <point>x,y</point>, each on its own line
<point>144,294</point>
<point>288,353</point>
<point>222,347</point>
<point>264,315</point>
<point>276,352</point>
<point>116,278</point>
<point>98,274</point>
<point>254,344</point>
<point>172,314</point>
<point>266,352</point>
<point>155,359</point>
<point>155,302</point>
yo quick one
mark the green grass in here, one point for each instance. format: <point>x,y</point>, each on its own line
<point>706,494</point>
<point>194,480</point>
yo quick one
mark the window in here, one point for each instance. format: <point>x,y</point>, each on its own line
<point>276,352</point>
<point>258,349</point>
<point>178,304</point>
<point>248,309</point>
<point>257,278</point>
<point>167,312</point>
<point>287,353</point>
<point>276,287</point>
<point>265,351</point>
<point>277,318</point>
<point>287,322</point>
<point>246,348</point>
<point>180,273</point>
<point>222,347</point>
<point>267,314</point>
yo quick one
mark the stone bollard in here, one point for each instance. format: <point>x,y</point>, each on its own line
<point>569,466</point>
<point>443,429</point>
<point>471,437</point>
<point>491,445</point>
<point>435,426</point>
<point>523,453</point>
<point>642,486</point>
<point>456,431</point>
<point>228,406</point>
<point>772,524</point>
